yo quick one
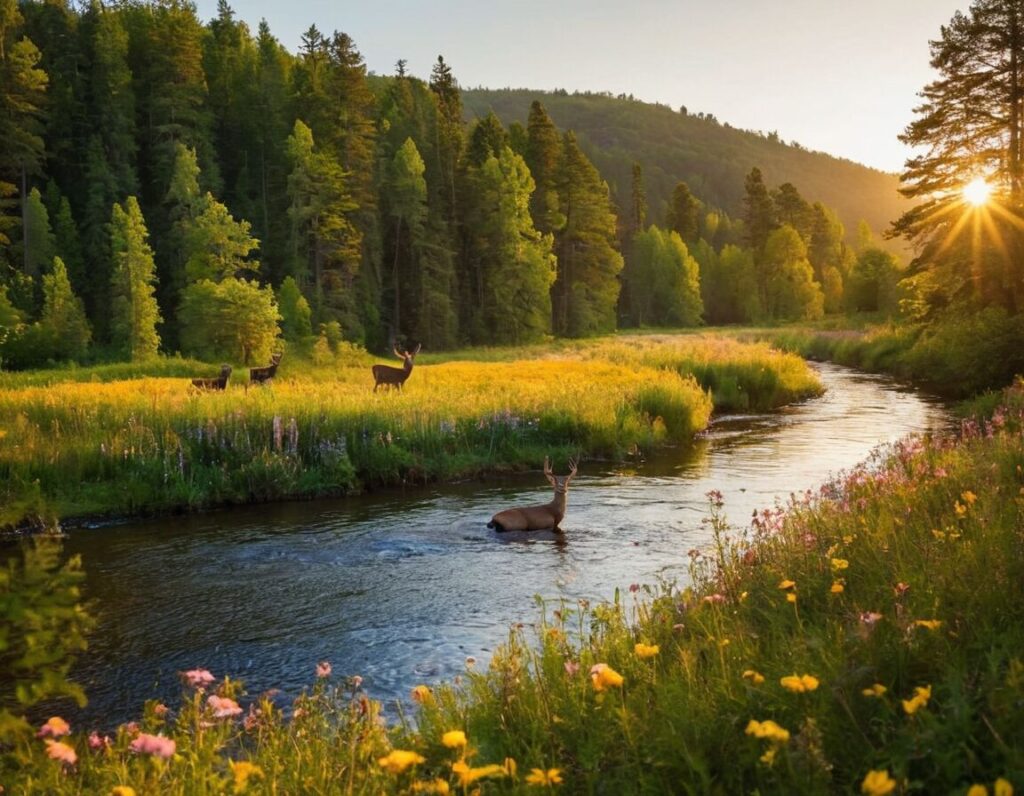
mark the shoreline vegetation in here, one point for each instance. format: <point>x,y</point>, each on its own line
<point>135,438</point>
<point>864,638</point>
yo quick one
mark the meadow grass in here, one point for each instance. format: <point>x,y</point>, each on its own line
<point>868,637</point>
<point>123,439</point>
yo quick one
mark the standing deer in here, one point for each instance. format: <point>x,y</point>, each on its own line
<point>538,518</point>
<point>218,383</point>
<point>394,377</point>
<point>263,375</point>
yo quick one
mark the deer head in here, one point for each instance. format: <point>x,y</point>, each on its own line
<point>560,483</point>
<point>406,357</point>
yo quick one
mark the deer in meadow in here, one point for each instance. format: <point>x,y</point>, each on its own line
<point>263,375</point>
<point>538,518</point>
<point>219,383</point>
<point>394,377</point>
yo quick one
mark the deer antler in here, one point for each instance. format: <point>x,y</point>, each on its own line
<point>547,470</point>
<point>418,347</point>
<point>398,353</point>
<point>572,470</point>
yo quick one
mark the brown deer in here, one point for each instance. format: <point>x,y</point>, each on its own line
<point>394,377</point>
<point>538,518</point>
<point>263,375</point>
<point>218,383</point>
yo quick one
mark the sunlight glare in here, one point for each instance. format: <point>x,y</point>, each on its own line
<point>977,192</point>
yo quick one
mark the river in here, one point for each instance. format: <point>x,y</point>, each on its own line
<point>400,587</point>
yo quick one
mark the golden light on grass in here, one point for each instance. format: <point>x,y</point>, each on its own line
<point>977,192</point>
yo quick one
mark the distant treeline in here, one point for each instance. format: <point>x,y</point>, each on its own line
<point>167,185</point>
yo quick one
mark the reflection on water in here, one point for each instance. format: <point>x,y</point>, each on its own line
<point>400,587</point>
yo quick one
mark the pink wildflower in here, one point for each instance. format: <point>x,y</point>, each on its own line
<point>197,678</point>
<point>154,745</point>
<point>356,681</point>
<point>61,751</point>
<point>96,742</point>
<point>323,669</point>
<point>223,707</point>
<point>869,618</point>
<point>55,727</point>
<point>160,710</point>
<point>715,598</point>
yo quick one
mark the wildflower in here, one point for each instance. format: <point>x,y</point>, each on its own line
<point>422,694</point>
<point>755,677</point>
<point>467,775</point>
<point>356,681</point>
<point>876,690</point>
<point>544,779</point>
<point>848,539</point>
<point>61,751</point>
<point>96,742</point>
<point>241,771</point>
<point>799,684</point>
<point>571,668</point>
<point>968,497</point>
<point>398,760</point>
<point>787,584</point>
<point>55,727</point>
<point>877,783</point>
<point>714,599</point>
<point>744,595</point>
<point>769,755</point>
<point>646,650</point>
<point>160,710</point>
<point>510,766</point>
<point>768,730</point>
<point>197,678</point>
<point>960,508</point>
<point>929,624</point>
<point>1003,787</point>
<point>323,669</point>
<point>869,618</point>
<point>223,707</point>
<point>122,790</point>
<point>791,597</point>
<point>938,534</point>
<point>156,745</point>
<point>919,700</point>
<point>977,790</point>
<point>901,588</point>
<point>837,587</point>
<point>604,676</point>
<point>437,786</point>
<point>454,739</point>
<point>839,564</point>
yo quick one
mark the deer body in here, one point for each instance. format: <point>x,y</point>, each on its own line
<point>219,383</point>
<point>538,518</point>
<point>394,377</point>
<point>263,375</point>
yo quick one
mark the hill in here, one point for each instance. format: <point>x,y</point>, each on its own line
<point>713,158</point>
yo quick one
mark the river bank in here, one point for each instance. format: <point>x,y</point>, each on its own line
<point>80,443</point>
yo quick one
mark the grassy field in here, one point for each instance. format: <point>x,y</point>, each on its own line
<point>127,439</point>
<point>866,638</point>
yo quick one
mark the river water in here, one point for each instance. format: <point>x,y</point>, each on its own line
<point>401,587</point>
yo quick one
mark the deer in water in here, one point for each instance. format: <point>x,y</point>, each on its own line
<point>394,377</point>
<point>538,518</point>
<point>218,383</point>
<point>263,375</point>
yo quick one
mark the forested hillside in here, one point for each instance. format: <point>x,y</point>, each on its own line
<point>711,157</point>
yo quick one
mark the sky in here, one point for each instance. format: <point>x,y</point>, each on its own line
<point>839,77</point>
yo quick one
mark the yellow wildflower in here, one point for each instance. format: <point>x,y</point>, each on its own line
<point>744,595</point>
<point>123,790</point>
<point>787,584</point>
<point>510,766</point>
<point>876,690</point>
<point>848,539</point>
<point>1003,787</point>
<point>604,676</point>
<point>467,775</point>
<point>977,790</point>
<point>839,563</point>
<point>422,694</point>
<point>799,684</point>
<point>438,786</point>
<point>454,739</point>
<point>398,760</point>
<point>791,598</point>
<point>837,587</point>
<point>768,730</point>
<point>646,650</point>
<point>544,779</point>
<point>919,700</point>
<point>769,756</point>
<point>940,535</point>
<point>960,508</point>
<point>930,624</point>
<point>242,770</point>
<point>969,497</point>
<point>877,783</point>
<point>755,677</point>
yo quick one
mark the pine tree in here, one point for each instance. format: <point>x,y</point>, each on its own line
<point>638,200</point>
<point>296,316</point>
<point>218,246</point>
<point>406,195</point>
<point>133,307</point>
<point>543,156</point>
<point>789,290</point>
<point>587,288</point>
<point>759,211</point>
<point>683,214</point>
<point>792,209</point>
<point>663,280</point>
<point>450,134</point>
<point>63,316</point>
<point>65,233</point>
<point>40,244</point>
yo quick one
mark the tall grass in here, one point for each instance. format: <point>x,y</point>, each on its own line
<point>867,638</point>
<point>83,441</point>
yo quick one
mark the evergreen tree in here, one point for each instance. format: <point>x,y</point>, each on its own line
<point>232,319</point>
<point>663,280</point>
<point>406,195</point>
<point>790,208</point>
<point>587,287</point>
<point>759,211</point>
<point>65,234</point>
<point>63,318</point>
<point>133,307</point>
<point>101,194</point>
<point>638,200</point>
<point>40,244</point>
<point>218,246</point>
<point>789,290</point>
<point>683,215</point>
<point>873,282</point>
<point>296,316</point>
<point>543,156</point>
<point>450,134</point>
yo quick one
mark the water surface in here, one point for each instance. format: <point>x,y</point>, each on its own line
<point>401,586</point>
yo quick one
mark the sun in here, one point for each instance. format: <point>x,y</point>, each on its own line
<point>977,192</point>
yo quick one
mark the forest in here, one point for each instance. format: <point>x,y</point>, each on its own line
<point>178,186</point>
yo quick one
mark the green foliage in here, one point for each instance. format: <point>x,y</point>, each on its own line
<point>662,281</point>
<point>218,246</point>
<point>232,319</point>
<point>38,242</point>
<point>787,280</point>
<point>63,318</point>
<point>296,316</point>
<point>133,308</point>
<point>683,213</point>
<point>43,627</point>
<point>872,284</point>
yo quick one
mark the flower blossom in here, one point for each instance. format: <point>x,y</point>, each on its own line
<point>877,783</point>
<point>398,760</point>
<point>454,739</point>
<point>646,650</point>
<point>242,770</point>
<point>422,694</point>
<point>918,700</point>
<point>928,624</point>
<point>122,790</point>
<point>55,727</point>
<point>223,707</point>
<point>604,676</point>
<point>197,678</point>
<point>154,745</point>
<point>755,677</point>
<point>875,690</point>
<point>768,730</point>
<point>467,775</point>
<point>61,751</point>
<point>96,742</point>
<point>544,779</point>
<point>799,684</point>
<point>323,669</point>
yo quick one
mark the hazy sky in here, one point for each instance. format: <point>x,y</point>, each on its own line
<point>841,77</point>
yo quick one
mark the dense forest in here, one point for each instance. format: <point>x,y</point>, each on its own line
<point>168,185</point>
